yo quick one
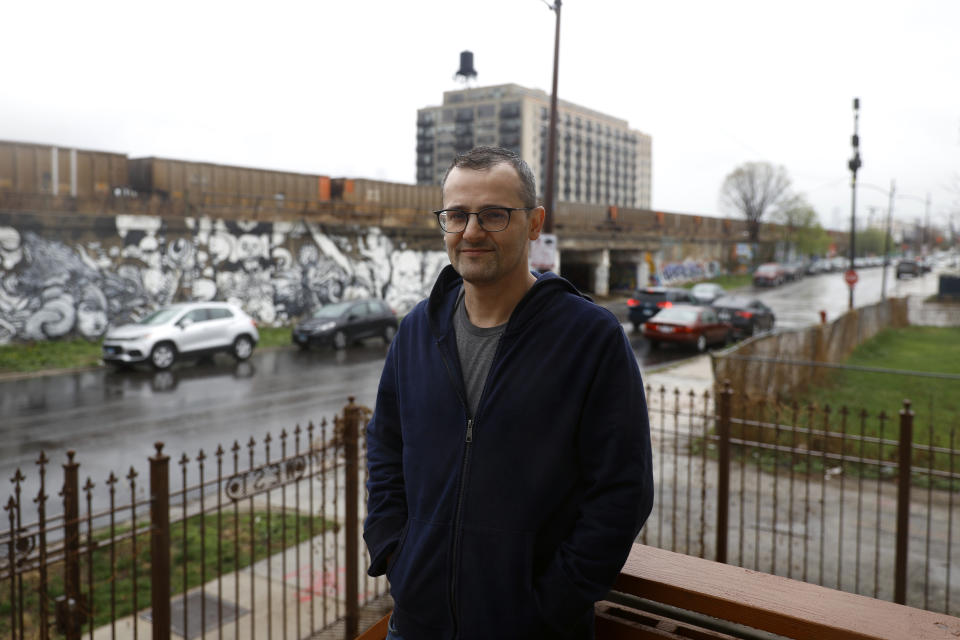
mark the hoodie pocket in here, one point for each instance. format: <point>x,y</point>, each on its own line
<point>399,548</point>
<point>419,575</point>
<point>495,596</point>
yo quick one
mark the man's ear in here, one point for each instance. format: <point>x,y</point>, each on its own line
<point>535,222</point>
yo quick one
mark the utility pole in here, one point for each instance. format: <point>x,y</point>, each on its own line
<point>926,225</point>
<point>549,187</point>
<point>886,242</point>
<point>854,164</point>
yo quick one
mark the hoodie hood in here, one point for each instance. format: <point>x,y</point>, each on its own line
<point>443,297</point>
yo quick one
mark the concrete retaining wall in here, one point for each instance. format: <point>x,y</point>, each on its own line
<point>830,343</point>
<point>64,275</point>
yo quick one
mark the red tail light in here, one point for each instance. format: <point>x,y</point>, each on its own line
<point>632,302</point>
<point>744,314</point>
<point>253,322</point>
<point>665,304</point>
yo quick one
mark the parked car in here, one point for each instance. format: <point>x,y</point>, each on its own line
<point>706,292</point>
<point>909,268</point>
<point>645,303</point>
<point>793,271</point>
<point>180,331</point>
<point>746,314</point>
<point>343,323</point>
<point>769,274</point>
<point>689,325</point>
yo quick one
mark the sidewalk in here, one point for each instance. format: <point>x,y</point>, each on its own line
<point>693,374</point>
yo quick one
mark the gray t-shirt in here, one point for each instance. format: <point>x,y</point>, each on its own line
<point>476,347</point>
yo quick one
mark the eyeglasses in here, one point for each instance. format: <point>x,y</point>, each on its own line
<point>490,219</point>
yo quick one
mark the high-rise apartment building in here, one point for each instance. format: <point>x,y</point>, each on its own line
<point>600,159</point>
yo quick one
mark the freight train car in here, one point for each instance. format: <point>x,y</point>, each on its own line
<point>387,194</point>
<point>193,181</point>
<point>36,169</point>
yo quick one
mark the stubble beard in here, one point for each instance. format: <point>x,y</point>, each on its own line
<point>478,271</point>
<point>489,269</point>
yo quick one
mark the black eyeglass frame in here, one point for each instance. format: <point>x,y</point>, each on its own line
<point>509,211</point>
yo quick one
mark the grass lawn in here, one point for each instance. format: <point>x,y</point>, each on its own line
<point>935,401</point>
<point>728,282</point>
<point>202,537</point>
<point>79,353</point>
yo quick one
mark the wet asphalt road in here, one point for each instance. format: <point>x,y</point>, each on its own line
<point>113,418</point>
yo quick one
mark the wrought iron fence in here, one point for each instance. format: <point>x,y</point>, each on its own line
<point>262,538</point>
<point>256,539</point>
<point>844,498</point>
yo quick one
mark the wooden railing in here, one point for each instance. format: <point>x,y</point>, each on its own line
<point>666,595</point>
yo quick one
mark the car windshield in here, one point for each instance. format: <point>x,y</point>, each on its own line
<point>704,289</point>
<point>650,295</point>
<point>677,315</point>
<point>767,269</point>
<point>159,316</point>
<point>332,311</point>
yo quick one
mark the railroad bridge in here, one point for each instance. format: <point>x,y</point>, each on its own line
<point>88,238</point>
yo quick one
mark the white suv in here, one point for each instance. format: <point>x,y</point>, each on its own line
<point>190,329</point>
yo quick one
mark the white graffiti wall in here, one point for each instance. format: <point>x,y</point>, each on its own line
<point>56,284</point>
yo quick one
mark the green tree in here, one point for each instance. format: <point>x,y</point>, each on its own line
<point>800,226</point>
<point>871,242</point>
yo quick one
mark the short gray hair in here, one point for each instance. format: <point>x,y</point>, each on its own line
<point>482,158</point>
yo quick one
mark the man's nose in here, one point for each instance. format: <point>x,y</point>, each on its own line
<point>473,228</point>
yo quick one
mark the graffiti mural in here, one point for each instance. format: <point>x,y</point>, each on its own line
<point>51,287</point>
<point>687,271</point>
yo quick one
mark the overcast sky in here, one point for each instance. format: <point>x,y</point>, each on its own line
<point>332,87</point>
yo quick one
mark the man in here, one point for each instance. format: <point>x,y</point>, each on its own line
<point>509,450</point>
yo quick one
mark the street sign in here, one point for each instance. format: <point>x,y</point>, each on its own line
<point>850,276</point>
<point>543,252</point>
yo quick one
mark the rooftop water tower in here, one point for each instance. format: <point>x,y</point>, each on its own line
<point>466,73</point>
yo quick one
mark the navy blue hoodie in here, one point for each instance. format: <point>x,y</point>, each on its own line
<point>512,522</point>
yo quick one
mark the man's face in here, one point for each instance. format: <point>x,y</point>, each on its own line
<point>482,257</point>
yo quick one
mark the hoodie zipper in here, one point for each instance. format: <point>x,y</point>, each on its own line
<point>461,489</point>
<point>465,466</point>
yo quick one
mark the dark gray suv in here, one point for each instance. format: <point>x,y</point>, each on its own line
<point>346,322</point>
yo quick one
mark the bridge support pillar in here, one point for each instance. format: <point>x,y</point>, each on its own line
<point>601,274</point>
<point>643,274</point>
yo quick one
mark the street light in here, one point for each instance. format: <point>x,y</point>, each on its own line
<point>548,200</point>
<point>886,235</point>
<point>854,164</point>
<point>891,194</point>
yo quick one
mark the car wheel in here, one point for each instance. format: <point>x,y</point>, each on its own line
<point>654,344</point>
<point>388,332</point>
<point>339,340</point>
<point>163,355</point>
<point>242,347</point>
<point>702,343</point>
<point>636,327</point>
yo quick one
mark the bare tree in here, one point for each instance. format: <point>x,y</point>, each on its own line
<point>755,189</point>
